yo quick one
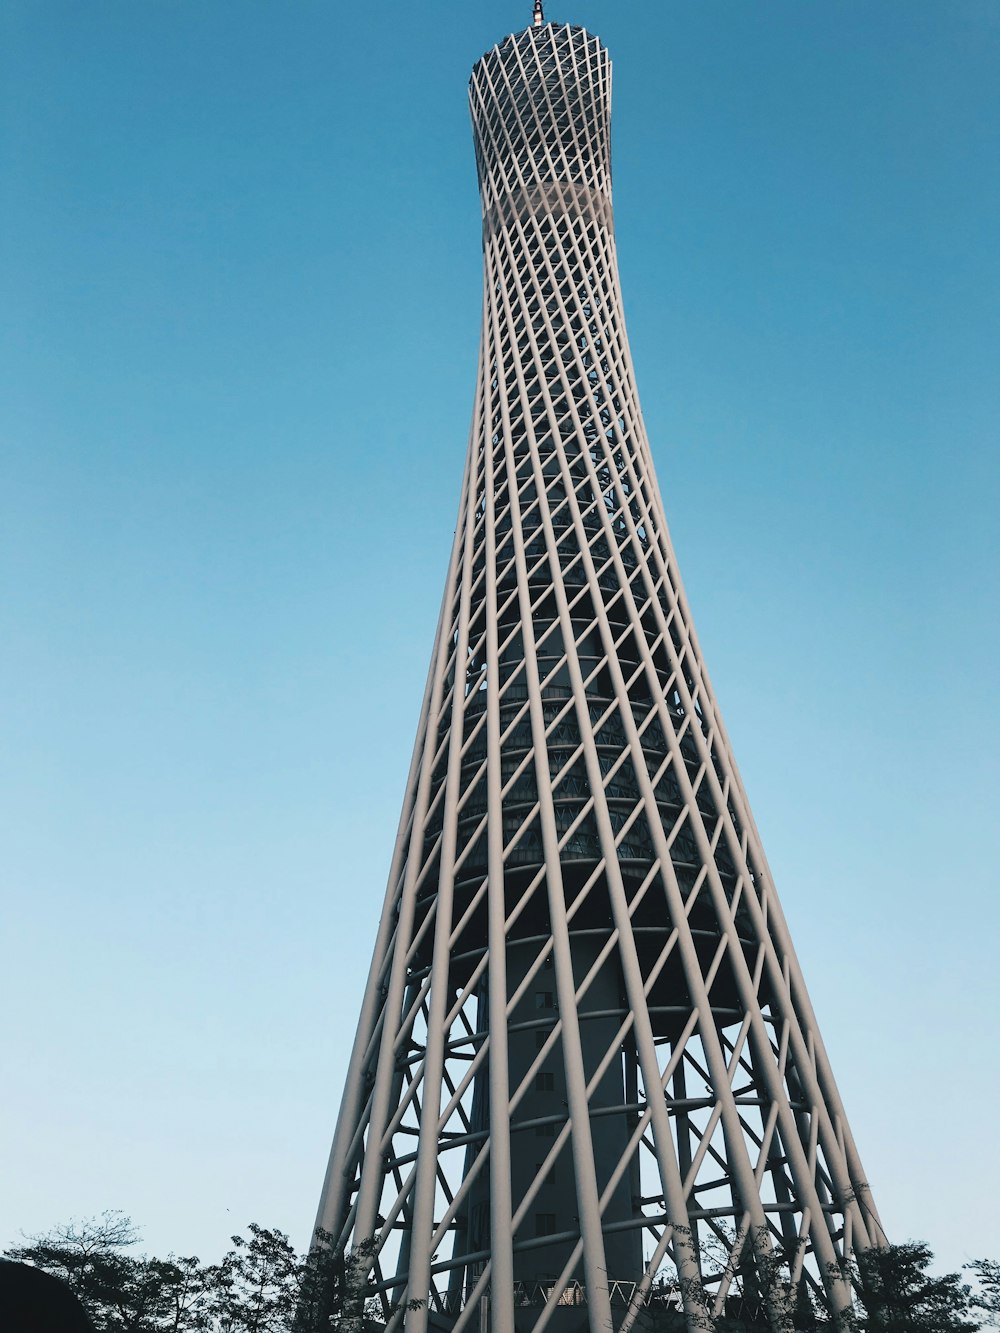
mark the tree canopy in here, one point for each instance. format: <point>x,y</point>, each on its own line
<point>262,1286</point>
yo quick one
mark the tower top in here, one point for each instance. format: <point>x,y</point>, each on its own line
<point>539,14</point>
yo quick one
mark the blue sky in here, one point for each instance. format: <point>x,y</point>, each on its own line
<point>240,269</point>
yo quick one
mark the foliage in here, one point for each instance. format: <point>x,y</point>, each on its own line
<point>885,1290</point>
<point>185,1290</point>
<point>896,1293</point>
<point>255,1289</point>
<point>987,1298</point>
<point>262,1286</point>
<point>115,1287</point>
<point>321,1291</point>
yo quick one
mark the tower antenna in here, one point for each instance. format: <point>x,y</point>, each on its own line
<point>539,15</point>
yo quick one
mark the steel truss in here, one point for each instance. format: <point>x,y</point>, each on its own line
<point>587,1075</point>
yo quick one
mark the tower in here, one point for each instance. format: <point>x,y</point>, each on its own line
<point>587,1090</point>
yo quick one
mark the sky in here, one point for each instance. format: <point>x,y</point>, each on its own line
<point>239,306</point>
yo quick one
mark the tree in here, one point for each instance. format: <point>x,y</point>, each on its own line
<point>987,1298</point>
<point>90,1258</point>
<point>321,1295</point>
<point>262,1286</point>
<point>83,1254</point>
<point>893,1292</point>
<point>332,1285</point>
<point>255,1288</point>
<point>185,1294</point>
<point>897,1294</point>
<point>123,1293</point>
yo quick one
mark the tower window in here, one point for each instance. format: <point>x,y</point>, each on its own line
<point>544,1000</point>
<point>550,1175</point>
<point>545,1224</point>
<point>545,1081</point>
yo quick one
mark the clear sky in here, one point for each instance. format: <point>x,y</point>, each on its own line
<point>239,305</point>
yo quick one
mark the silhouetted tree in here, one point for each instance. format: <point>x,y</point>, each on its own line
<point>185,1289</point>
<point>123,1293</point>
<point>91,1258</point>
<point>987,1298</point>
<point>262,1286</point>
<point>896,1293</point>
<point>255,1287</point>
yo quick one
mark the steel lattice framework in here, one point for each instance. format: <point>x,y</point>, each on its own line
<point>586,1056</point>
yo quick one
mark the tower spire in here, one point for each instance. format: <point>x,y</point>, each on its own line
<point>539,15</point>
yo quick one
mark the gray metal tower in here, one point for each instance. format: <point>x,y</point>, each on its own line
<point>587,1088</point>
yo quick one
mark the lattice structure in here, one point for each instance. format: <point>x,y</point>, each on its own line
<point>587,1083</point>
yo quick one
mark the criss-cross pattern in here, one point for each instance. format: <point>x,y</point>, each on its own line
<point>587,1075</point>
